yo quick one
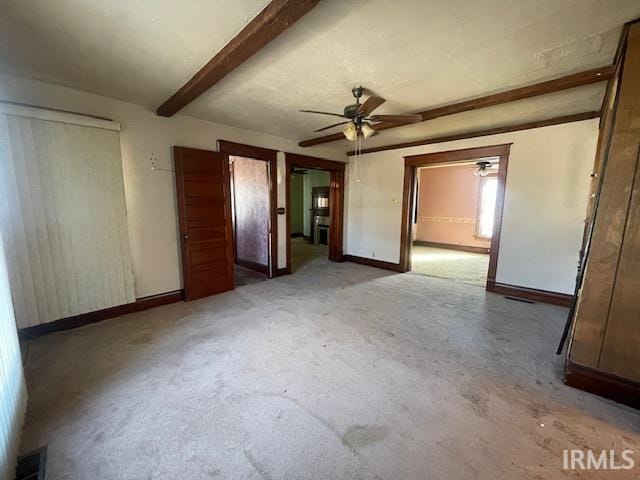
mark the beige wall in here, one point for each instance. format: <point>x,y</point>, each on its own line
<point>448,205</point>
<point>545,203</point>
<point>146,140</point>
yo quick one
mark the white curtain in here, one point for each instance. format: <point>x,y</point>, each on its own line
<point>13,393</point>
<point>63,217</point>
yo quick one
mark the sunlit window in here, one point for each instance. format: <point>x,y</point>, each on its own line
<point>484,222</point>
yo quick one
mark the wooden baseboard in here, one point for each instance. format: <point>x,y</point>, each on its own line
<point>448,246</point>
<point>92,317</point>
<point>394,267</point>
<point>297,235</point>
<point>542,296</point>
<point>603,384</point>
<point>258,267</point>
<point>280,272</point>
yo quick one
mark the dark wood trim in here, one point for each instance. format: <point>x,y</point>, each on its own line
<point>306,161</point>
<point>459,155</point>
<point>452,246</point>
<point>271,157</point>
<point>452,156</point>
<point>565,82</point>
<point>336,200</point>
<point>247,151</point>
<point>604,384</point>
<point>280,272</point>
<point>258,267</point>
<point>83,319</point>
<point>371,262</point>
<point>276,17</point>
<point>577,117</point>
<point>297,235</point>
<point>494,250</point>
<point>533,294</point>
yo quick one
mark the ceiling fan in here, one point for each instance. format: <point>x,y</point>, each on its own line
<point>358,116</point>
<point>485,168</point>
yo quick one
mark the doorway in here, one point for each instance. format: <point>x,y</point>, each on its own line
<point>314,211</point>
<point>453,220</point>
<point>452,213</point>
<point>253,179</point>
<point>250,209</point>
<point>310,214</point>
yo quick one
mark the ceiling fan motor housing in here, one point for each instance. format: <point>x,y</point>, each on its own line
<point>351,111</point>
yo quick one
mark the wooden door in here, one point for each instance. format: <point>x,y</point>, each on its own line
<point>204,211</point>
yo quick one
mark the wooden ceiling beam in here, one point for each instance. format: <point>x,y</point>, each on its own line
<point>267,25</point>
<point>483,133</point>
<point>574,80</point>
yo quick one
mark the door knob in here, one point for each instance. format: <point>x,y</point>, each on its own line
<point>185,236</point>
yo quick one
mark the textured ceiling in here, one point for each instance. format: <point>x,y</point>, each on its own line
<point>416,53</point>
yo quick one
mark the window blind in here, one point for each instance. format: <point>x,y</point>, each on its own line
<point>63,216</point>
<point>13,394</point>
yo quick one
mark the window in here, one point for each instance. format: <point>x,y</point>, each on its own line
<point>486,206</point>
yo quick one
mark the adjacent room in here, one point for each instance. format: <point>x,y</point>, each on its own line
<point>310,216</point>
<point>304,239</point>
<point>250,207</point>
<point>453,220</point>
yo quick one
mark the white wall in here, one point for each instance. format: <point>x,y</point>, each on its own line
<point>545,203</point>
<point>150,194</point>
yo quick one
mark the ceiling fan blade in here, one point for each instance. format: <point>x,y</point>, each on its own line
<point>331,126</point>
<point>324,113</point>
<point>397,118</point>
<point>370,105</point>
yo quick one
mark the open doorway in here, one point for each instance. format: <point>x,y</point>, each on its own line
<point>310,214</point>
<point>250,209</point>
<point>452,213</point>
<point>252,172</point>
<point>314,212</point>
<point>453,219</point>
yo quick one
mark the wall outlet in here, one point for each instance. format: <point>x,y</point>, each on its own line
<point>373,254</point>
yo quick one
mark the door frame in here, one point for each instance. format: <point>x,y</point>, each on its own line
<point>336,201</point>
<point>411,164</point>
<point>271,157</point>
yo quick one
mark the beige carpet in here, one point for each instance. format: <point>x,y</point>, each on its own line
<point>339,371</point>
<point>305,255</point>
<point>464,267</point>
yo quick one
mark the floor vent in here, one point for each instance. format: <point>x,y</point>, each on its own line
<point>520,300</point>
<point>32,465</point>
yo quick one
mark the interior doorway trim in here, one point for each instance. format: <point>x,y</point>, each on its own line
<point>411,164</point>
<point>336,201</point>
<point>271,157</point>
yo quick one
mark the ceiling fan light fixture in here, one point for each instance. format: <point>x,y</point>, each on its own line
<point>483,169</point>
<point>350,132</point>
<point>367,130</point>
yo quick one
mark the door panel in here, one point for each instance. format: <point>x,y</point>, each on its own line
<point>204,211</point>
